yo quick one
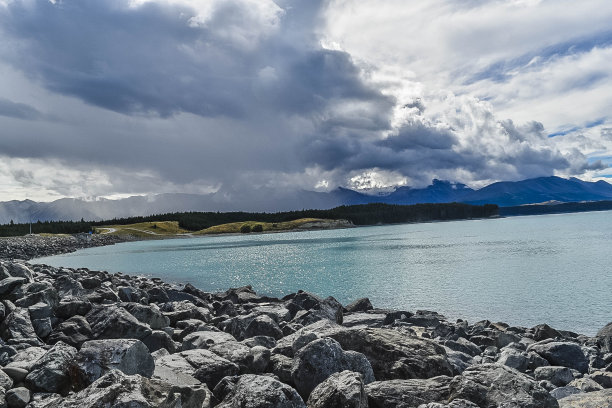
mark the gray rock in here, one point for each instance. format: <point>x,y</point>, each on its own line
<point>177,311</point>
<point>459,361</point>
<point>514,359</point>
<point>585,384</point>
<point>394,355</point>
<point>257,391</point>
<point>38,292</point>
<point>492,385</point>
<point>7,285</point>
<point>458,403</point>
<point>277,312</point>
<point>205,339</point>
<point>603,378</point>
<point>19,270</point>
<point>97,357</point>
<point>114,322</point>
<point>264,341</point>
<point>17,397</point>
<point>52,372</point>
<point>557,375</point>
<point>68,286</point>
<point>118,390</point>
<point>259,359</point>
<point>318,360</point>
<point>26,358</point>
<point>359,305</point>
<point>562,354</point>
<point>544,331</point>
<point>6,381</point>
<point>604,338</point>
<point>148,314</point>
<point>210,368</point>
<point>74,331</point>
<point>363,320</point>
<point>263,325</point>
<point>17,327</point>
<point>340,390</point>
<point>563,392</point>
<point>72,306</point>
<point>234,352</point>
<point>464,346</point>
<point>328,308</point>
<point>175,369</point>
<point>17,374</point>
<point>407,393</point>
<point>159,339</point>
<point>281,367</point>
<point>42,327</point>
<point>505,338</point>
<point>597,399</point>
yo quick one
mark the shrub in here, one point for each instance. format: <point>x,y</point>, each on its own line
<point>245,229</point>
<point>257,228</point>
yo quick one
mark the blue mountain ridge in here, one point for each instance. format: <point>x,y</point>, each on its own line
<point>505,193</point>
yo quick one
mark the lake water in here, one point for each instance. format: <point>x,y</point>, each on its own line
<point>554,269</point>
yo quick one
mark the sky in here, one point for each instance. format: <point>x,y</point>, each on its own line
<point>111,98</point>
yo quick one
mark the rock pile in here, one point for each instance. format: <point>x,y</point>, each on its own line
<point>82,338</point>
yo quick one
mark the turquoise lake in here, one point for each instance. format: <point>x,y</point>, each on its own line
<point>554,269</point>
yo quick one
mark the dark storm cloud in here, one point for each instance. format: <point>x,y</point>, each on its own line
<point>18,110</point>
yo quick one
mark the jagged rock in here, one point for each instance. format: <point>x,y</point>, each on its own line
<point>359,305</point>
<point>340,390</point>
<point>17,374</point>
<point>264,341</point>
<point>491,385</point>
<point>159,339</point>
<point>514,359</point>
<point>394,355</point>
<point>562,354</point>
<point>597,399</point>
<point>20,270</point>
<point>7,285</point>
<point>504,338</point>
<point>458,403</point>
<point>52,372</point>
<point>174,369</point>
<point>116,389</point>
<point>17,397</point>
<point>97,357</point>
<point>363,320</point>
<point>318,360</point>
<point>328,308</point>
<point>277,312</point>
<point>281,367</point>
<point>148,314</point>
<point>563,392</point>
<point>603,378</point>
<point>464,346</point>
<point>585,384</point>
<point>205,339</point>
<point>68,286</point>
<point>458,360</point>
<point>17,327</point>
<point>37,292</point>
<point>210,368</point>
<point>74,331</point>
<point>6,381</point>
<point>604,338</point>
<point>263,325</point>
<point>257,391</point>
<point>114,322</point>
<point>42,327</point>
<point>258,359</point>
<point>235,352</point>
<point>559,376</point>
<point>544,331</point>
<point>72,306</point>
<point>177,311</point>
<point>407,393</point>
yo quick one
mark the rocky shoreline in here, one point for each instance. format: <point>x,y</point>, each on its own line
<point>82,338</point>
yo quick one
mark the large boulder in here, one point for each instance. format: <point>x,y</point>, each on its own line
<point>71,306</point>
<point>559,376</point>
<point>256,391</point>
<point>597,399</point>
<point>130,356</point>
<point>210,368</point>
<point>53,371</point>
<point>174,369</point>
<point>17,327</point>
<point>564,354</point>
<point>340,390</point>
<point>492,385</point>
<point>148,314</point>
<point>116,389</point>
<point>407,393</point>
<point>205,339</point>
<point>544,331</point>
<point>7,285</point>
<point>263,325</point>
<point>74,331</point>
<point>320,359</point>
<point>316,307</point>
<point>395,355</point>
<point>604,338</point>
<point>114,322</point>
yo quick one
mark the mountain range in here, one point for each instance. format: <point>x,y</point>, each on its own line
<point>530,191</point>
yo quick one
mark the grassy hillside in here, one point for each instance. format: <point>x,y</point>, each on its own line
<point>236,227</point>
<point>144,229</point>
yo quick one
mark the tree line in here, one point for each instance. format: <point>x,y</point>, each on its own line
<point>364,214</point>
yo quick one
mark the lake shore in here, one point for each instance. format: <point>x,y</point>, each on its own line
<point>60,326</point>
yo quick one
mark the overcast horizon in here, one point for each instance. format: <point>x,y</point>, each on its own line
<point>113,98</point>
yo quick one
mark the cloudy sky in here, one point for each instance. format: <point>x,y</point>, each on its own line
<point>108,98</point>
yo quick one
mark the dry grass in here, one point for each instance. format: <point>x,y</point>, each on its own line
<point>144,229</point>
<point>234,227</point>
